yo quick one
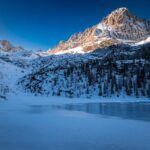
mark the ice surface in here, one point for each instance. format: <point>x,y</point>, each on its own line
<point>33,123</point>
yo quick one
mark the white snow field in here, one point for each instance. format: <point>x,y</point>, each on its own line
<point>56,123</point>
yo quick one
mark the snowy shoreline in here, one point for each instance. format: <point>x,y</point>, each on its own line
<point>64,100</point>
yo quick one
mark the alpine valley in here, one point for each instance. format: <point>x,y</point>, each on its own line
<point>110,59</point>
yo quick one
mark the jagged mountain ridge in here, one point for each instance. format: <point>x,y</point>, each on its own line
<point>6,46</point>
<point>120,26</point>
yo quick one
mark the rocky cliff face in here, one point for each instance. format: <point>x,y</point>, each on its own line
<point>121,26</point>
<point>85,40</point>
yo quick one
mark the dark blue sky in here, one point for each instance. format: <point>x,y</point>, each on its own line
<point>41,24</point>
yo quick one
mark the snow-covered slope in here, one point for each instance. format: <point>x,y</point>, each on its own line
<point>9,74</point>
<point>144,41</point>
<point>118,70</point>
<point>14,64</point>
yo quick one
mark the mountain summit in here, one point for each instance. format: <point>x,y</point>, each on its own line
<point>124,25</point>
<point>120,26</point>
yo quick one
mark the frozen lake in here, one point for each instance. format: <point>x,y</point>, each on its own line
<point>83,126</point>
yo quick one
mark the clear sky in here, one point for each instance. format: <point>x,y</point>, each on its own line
<point>41,24</point>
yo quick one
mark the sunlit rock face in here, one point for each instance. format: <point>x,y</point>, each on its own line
<point>124,25</point>
<point>120,26</point>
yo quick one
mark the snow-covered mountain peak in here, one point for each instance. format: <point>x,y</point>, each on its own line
<point>120,26</point>
<point>119,16</point>
<point>123,20</point>
<point>125,27</point>
<point>122,11</point>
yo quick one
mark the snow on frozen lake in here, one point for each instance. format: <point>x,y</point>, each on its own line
<point>46,124</point>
